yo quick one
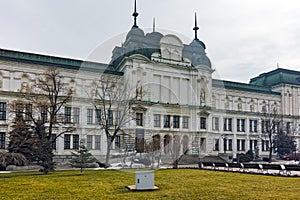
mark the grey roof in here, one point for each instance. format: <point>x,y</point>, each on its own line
<point>276,77</point>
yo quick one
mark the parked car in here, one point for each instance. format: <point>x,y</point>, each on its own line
<point>292,156</point>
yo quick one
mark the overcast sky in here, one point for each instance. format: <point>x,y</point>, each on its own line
<point>243,37</point>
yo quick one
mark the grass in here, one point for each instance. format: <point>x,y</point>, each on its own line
<point>173,184</point>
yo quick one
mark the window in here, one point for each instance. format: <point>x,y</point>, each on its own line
<point>139,119</point>
<point>156,120</point>
<point>67,114</point>
<point>89,142</point>
<point>227,124</point>
<point>44,113</point>
<point>185,122</point>
<point>2,111</point>
<point>19,112</point>
<point>166,121</point>
<point>2,140</point>
<point>67,141</point>
<point>97,116</point>
<point>265,126</point>
<point>110,118</point>
<point>227,145</point>
<point>253,144</point>
<point>240,125</point>
<point>118,142</point>
<point>28,112</point>
<point>230,144</point>
<point>265,145</point>
<point>253,126</point>
<point>118,117</point>
<point>215,123</point>
<point>97,142</point>
<point>176,121</point>
<point>53,141</point>
<point>75,141</point>
<point>76,115</point>
<point>216,144</point>
<point>240,145</point>
<point>202,122</point>
<point>89,116</point>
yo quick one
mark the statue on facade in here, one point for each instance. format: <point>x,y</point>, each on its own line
<point>202,98</point>
<point>138,90</point>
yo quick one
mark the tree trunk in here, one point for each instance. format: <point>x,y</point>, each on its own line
<point>109,143</point>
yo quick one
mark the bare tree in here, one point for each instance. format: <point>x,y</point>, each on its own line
<point>41,106</point>
<point>280,133</point>
<point>111,95</point>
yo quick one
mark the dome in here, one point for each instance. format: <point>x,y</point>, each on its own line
<point>135,32</point>
<point>154,35</point>
<point>196,43</point>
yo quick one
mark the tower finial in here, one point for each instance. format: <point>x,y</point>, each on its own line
<point>153,24</point>
<point>196,28</point>
<point>135,14</point>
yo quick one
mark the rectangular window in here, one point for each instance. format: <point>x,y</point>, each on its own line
<point>241,125</point>
<point>110,118</point>
<point>2,111</point>
<point>67,141</point>
<point>139,119</point>
<point>262,145</point>
<point>118,142</point>
<point>267,145</point>
<point>230,144</point>
<point>75,141</point>
<point>202,122</point>
<point>67,114</point>
<point>53,141</point>
<point>240,145</point>
<point>2,140</point>
<point>166,121</point>
<point>176,121</point>
<point>90,116</point>
<point>156,120</point>
<point>243,145</point>
<point>253,126</point>
<point>215,123</point>
<point>265,126</point>
<point>89,142</point>
<point>216,145</point>
<point>76,114</point>
<point>118,118</point>
<point>97,142</point>
<point>44,113</point>
<point>28,112</point>
<point>97,116</point>
<point>227,124</point>
<point>185,122</point>
<point>19,111</point>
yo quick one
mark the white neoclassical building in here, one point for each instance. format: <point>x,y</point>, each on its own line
<point>180,103</point>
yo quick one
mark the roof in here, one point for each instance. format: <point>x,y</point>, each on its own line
<point>68,63</point>
<point>242,87</point>
<point>276,77</point>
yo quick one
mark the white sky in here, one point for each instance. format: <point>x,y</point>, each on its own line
<point>243,37</point>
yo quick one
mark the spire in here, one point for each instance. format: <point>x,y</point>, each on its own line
<point>135,14</point>
<point>153,24</point>
<point>196,28</point>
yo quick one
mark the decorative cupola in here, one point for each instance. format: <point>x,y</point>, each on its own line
<point>195,51</point>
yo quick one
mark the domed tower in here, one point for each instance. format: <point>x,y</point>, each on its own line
<point>195,51</point>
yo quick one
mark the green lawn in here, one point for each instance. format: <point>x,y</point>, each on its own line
<point>173,184</point>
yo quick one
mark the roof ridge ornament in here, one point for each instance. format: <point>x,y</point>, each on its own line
<point>153,24</point>
<point>196,28</point>
<point>135,14</point>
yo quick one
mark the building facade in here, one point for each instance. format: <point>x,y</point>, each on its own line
<point>177,100</point>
